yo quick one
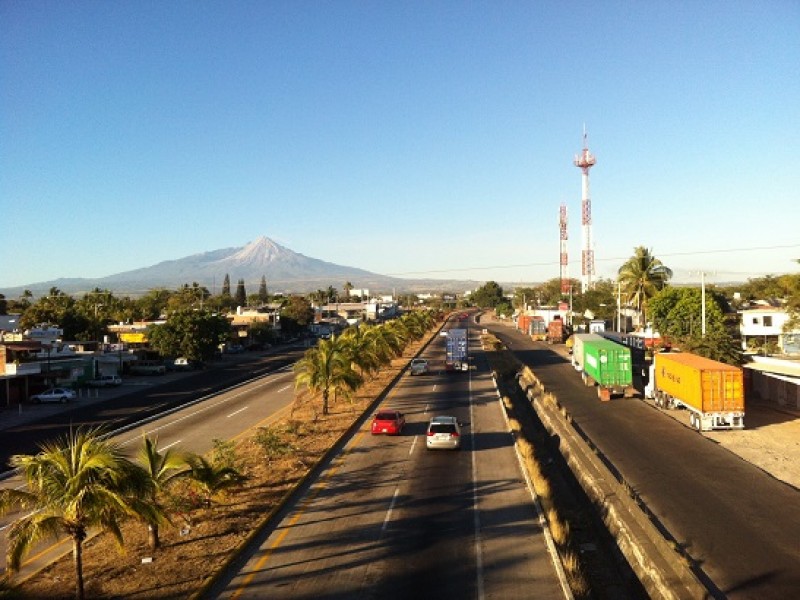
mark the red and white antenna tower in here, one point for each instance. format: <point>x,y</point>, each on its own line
<point>585,160</point>
<point>562,225</point>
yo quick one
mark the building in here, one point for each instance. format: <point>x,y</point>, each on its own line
<point>762,331</point>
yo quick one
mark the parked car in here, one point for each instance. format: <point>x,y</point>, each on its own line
<point>57,394</point>
<point>184,364</point>
<point>106,381</point>
<point>444,432</point>
<point>419,366</point>
<point>390,422</point>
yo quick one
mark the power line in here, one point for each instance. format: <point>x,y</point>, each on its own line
<point>619,258</point>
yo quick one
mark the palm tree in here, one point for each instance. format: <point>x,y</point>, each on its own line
<point>74,484</point>
<point>360,348</point>
<point>162,468</point>
<point>386,341</point>
<point>347,287</point>
<point>326,368</point>
<point>641,277</point>
<point>211,478</point>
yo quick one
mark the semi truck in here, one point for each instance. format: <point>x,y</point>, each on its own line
<point>556,332</point>
<point>456,355</point>
<point>604,364</point>
<point>711,390</point>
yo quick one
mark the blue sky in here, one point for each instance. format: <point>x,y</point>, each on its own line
<point>416,139</point>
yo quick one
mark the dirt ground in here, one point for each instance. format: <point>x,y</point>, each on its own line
<point>203,538</point>
<point>770,440</point>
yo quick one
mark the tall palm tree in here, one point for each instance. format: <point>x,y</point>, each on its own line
<point>641,277</point>
<point>74,484</point>
<point>325,369</point>
<point>162,468</point>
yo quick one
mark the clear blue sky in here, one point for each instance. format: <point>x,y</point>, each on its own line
<point>406,138</point>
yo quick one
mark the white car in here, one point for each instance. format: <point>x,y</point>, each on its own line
<point>444,432</point>
<point>419,366</point>
<point>54,395</point>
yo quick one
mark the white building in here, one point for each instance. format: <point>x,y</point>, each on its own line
<point>764,325</point>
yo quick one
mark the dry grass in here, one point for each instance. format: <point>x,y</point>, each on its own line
<point>504,362</point>
<point>204,538</point>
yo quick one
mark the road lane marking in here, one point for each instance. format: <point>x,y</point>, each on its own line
<point>413,443</point>
<point>305,504</point>
<point>312,495</point>
<point>476,517</point>
<point>170,445</point>
<point>283,389</point>
<point>391,508</point>
<point>236,412</point>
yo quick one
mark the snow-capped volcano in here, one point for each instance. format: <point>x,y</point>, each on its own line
<point>283,269</point>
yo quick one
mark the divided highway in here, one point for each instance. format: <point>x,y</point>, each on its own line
<point>388,518</point>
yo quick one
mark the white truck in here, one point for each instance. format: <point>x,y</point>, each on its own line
<point>456,350</point>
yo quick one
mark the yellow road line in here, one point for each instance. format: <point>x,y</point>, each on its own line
<point>301,511</point>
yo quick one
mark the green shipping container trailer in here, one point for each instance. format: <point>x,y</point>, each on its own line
<point>605,364</point>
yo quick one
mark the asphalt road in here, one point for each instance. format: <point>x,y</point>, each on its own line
<point>140,397</point>
<point>740,525</point>
<point>235,397</point>
<point>389,519</point>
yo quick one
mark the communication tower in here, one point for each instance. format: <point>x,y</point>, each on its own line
<point>562,224</point>
<point>585,160</point>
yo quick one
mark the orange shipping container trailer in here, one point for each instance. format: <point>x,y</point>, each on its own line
<point>711,390</point>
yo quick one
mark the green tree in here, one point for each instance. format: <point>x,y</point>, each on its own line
<point>385,342</point>
<point>263,294</point>
<point>58,310</point>
<point>153,305</point>
<point>326,369</point>
<point>79,483</point>
<point>21,304</point>
<point>677,313</point>
<point>212,479</point>
<point>296,314</point>
<point>194,334</point>
<point>226,287</point>
<point>241,294</point>
<point>3,305</point>
<point>193,296</point>
<point>641,277</point>
<point>162,468</point>
<point>360,348</point>
<point>488,296</point>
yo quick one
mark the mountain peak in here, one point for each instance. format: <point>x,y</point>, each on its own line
<point>260,251</point>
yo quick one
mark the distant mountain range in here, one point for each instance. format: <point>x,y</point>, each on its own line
<point>284,270</point>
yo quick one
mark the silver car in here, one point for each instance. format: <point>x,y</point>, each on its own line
<point>444,432</point>
<point>54,395</point>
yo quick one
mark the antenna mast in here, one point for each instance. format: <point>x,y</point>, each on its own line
<point>585,161</point>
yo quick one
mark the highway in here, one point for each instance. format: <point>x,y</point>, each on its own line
<point>189,412</point>
<point>740,526</point>
<point>388,518</point>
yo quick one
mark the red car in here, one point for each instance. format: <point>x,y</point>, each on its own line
<point>390,422</point>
